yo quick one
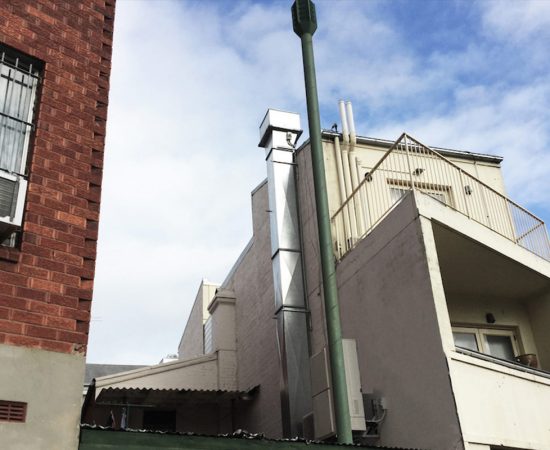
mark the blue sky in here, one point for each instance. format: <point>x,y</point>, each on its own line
<point>191,81</point>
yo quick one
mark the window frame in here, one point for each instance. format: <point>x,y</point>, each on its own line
<point>430,189</point>
<point>33,71</point>
<point>479,331</point>
<point>21,78</point>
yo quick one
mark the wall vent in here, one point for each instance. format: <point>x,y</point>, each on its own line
<point>13,411</point>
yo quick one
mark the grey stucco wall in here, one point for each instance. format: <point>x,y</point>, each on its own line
<point>387,305</point>
<point>51,385</point>
<point>257,355</point>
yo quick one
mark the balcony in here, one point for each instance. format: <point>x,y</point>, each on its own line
<point>410,165</point>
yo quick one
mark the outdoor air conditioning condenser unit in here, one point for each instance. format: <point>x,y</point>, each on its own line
<point>13,189</point>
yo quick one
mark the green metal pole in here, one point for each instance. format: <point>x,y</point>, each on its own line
<point>305,24</point>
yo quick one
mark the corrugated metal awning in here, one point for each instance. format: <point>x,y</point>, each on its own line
<point>154,397</point>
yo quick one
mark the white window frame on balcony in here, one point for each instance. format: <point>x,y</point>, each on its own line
<point>479,332</point>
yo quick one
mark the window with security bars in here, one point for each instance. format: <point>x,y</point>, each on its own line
<point>19,79</point>
<point>13,411</point>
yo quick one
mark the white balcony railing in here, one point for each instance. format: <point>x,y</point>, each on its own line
<point>411,165</point>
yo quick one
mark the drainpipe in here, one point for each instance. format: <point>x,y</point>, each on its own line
<point>345,157</point>
<point>341,185</point>
<point>349,214</point>
<point>339,169</point>
<point>353,168</point>
<point>304,23</point>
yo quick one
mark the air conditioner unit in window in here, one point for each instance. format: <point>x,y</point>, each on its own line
<point>13,189</point>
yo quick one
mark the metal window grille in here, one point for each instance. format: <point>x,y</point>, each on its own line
<point>19,79</point>
<point>13,411</point>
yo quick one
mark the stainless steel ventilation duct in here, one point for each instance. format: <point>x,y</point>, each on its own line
<point>279,132</point>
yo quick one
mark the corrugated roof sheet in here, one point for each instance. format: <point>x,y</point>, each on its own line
<point>164,396</point>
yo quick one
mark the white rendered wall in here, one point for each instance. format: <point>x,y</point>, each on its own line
<point>496,405</point>
<point>500,406</point>
<point>192,340</point>
<point>51,385</point>
<point>471,311</point>
<point>369,155</point>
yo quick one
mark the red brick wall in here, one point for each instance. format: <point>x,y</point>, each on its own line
<point>46,283</point>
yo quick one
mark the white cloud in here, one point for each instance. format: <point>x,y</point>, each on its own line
<point>517,20</point>
<point>181,159</point>
<point>191,82</point>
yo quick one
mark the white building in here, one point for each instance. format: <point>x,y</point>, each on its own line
<point>444,290</point>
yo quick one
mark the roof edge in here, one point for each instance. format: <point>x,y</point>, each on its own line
<point>154,369</point>
<point>385,143</point>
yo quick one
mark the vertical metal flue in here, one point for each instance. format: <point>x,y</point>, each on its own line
<point>279,132</point>
<point>305,23</point>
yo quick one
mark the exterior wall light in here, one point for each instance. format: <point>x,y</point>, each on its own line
<point>490,318</point>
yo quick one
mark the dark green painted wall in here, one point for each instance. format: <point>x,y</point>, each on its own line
<point>106,439</point>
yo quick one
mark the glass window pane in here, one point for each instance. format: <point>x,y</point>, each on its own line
<point>500,346</point>
<point>397,193</point>
<point>465,340</point>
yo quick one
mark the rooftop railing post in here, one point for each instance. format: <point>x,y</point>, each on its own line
<point>409,166</point>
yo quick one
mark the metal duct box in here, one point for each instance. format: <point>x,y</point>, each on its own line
<point>320,373</point>
<point>276,120</point>
<point>324,421</point>
<point>321,389</point>
<point>323,409</point>
<point>308,427</point>
<point>353,382</point>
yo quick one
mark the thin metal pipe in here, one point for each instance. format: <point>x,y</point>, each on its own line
<point>341,182</point>
<point>305,24</point>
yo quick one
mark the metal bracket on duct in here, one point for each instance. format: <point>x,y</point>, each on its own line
<point>279,132</point>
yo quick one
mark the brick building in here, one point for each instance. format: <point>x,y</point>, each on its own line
<point>55,61</point>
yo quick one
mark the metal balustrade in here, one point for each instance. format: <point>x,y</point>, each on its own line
<point>410,165</point>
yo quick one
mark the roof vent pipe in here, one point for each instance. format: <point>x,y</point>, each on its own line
<point>351,123</point>
<point>343,118</point>
<point>353,163</point>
